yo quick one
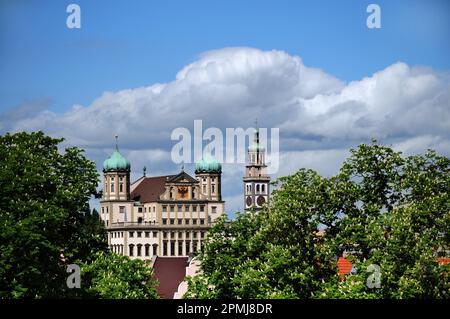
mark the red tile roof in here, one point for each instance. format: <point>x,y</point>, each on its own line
<point>443,260</point>
<point>170,272</point>
<point>344,266</point>
<point>150,188</point>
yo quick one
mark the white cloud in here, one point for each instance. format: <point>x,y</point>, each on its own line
<point>319,116</point>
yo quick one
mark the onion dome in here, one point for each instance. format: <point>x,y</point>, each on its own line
<point>208,164</point>
<point>116,162</point>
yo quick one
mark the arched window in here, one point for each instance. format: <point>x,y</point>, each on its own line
<point>131,250</point>
<point>139,250</point>
<point>257,188</point>
<point>263,188</point>
<point>147,250</point>
<point>140,220</point>
<point>121,184</point>
<point>155,249</point>
<point>112,184</point>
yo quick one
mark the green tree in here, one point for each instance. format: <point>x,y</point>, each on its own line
<point>113,276</point>
<point>381,209</point>
<point>45,221</point>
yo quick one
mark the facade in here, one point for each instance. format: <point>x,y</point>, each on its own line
<point>165,216</point>
<point>256,180</point>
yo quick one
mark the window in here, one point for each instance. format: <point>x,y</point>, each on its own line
<point>139,234</point>
<point>172,248</point>
<point>263,188</point>
<point>112,184</point>
<point>147,234</point>
<point>202,234</point>
<point>213,209</point>
<point>172,235</point>
<point>131,234</point>
<point>147,250</point>
<point>155,250</point>
<point>257,188</point>
<point>164,208</point>
<point>186,221</point>
<point>187,248</point>
<point>204,189</point>
<point>103,210</point>
<point>164,221</point>
<point>140,210</point>
<point>194,208</point>
<point>180,235</point>
<point>180,248</point>
<point>164,234</point>
<point>155,234</point>
<point>194,235</point>
<point>213,190</point>
<point>165,248</point>
<point>121,184</point>
<point>139,250</point>
<point>122,209</point>
<point>121,234</point>
<point>172,208</point>
<point>153,208</point>
<point>180,221</point>
<point>188,234</point>
<point>202,208</point>
<point>186,208</point>
<point>202,221</point>
<point>180,208</point>
<point>194,222</point>
<point>213,179</point>
<point>172,221</point>
<point>140,220</point>
<point>131,248</point>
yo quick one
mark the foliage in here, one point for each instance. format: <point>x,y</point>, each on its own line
<point>380,209</point>
<point>114,276</point>
<point>46,224</point>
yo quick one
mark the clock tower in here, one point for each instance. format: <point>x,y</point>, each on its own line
<point>256,180</point>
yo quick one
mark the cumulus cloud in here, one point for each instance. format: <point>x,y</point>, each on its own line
<point>319,116</point>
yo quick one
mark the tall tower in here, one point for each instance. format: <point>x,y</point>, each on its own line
<point>116,188</point>
<point>256,180</point>
<point>208,171</point>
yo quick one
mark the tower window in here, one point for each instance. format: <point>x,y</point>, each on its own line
<point>263,188</point>
<point>121,184</point>
<point>204,189</point>
<point>112,184</point>
<point>213,189</point>
<point>214,209</point>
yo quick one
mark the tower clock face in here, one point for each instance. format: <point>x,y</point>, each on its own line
<point>260,200</point>
<point>248,201</point>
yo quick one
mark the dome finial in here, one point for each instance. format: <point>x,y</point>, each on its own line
<point>144,171</point>
<point>117,144</point>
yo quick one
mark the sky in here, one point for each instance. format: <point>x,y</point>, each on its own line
<point>313,69</point>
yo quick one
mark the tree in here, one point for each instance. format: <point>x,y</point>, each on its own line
<point>113,276</point>
<point>381,209</point>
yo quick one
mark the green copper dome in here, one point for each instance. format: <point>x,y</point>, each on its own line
<point>208,164</point>
<point>116,162</point>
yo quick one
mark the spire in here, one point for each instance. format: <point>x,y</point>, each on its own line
<point>117,143</point>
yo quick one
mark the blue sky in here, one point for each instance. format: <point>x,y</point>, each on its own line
<point>136,43</point>
<point>313,69</point>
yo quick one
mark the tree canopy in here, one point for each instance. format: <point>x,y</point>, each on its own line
<point>46,223</point>
<point>382,210</point>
